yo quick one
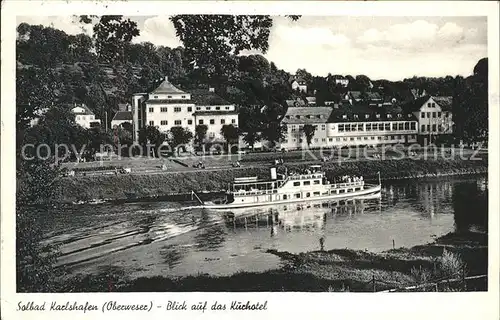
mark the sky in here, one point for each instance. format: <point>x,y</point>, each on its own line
<point>390,48</point>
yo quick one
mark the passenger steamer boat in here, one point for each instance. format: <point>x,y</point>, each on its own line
<point>311,185</point>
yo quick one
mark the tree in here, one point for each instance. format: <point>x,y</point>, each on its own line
<point>151,135</point>
<point>231,134</point>
<point>274,131</point>
<point>179,136</point>
<point>111,35</point>
<point>251,137</point>
<point>200,133</point>
<point>211,40</point>
<point>308,130</point>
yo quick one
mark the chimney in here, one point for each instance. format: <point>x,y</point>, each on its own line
<point>211,89</point>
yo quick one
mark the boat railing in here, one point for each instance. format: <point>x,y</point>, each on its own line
<point>348,184</point>
<point>306,176</point>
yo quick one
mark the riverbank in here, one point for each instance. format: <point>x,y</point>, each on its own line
<point>132,187</point>
<point>450,256</point>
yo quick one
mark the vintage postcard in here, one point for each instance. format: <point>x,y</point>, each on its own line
<point>249,159</point>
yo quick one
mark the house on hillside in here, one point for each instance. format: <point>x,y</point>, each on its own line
<point>343,81</point>
<point>295,103</point>
<point>122,117</point>
<point>298,84</point>
<point>167,106</point>
<point>434,115</point>
<point>84,116</point>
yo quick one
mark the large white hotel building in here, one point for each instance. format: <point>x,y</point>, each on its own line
<point>168,106</point>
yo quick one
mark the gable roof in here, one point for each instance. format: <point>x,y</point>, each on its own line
<point>123,115</point>
<point>373,95</point>
<point>207,98</point>
<point>415,105</point>
<point>355,94</point>
<point>358,112</point>
<point>86,109</point>
<point>295,103</point>
<point>166,87</point>
<point>445,102</point>
<point>306,115</point>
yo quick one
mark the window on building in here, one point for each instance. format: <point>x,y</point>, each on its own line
<point>190,109</point>
<point>330,139</point>
<point>352,138</point>
<point>151,123</point>
<point>422,115</point>
<point>368,127</point>
<point>163,109</point>
<point>155,97</point>
<point>354,127</point>
<point>217,108</point>
<point>177,109</point>
<point>177,122</point>
<point>439,114</point>
<point>422,128</point>
<point>169,97</point>
<point>360,127</point>
<point>413,125</point>
<point>434,128</point>
<point>440,128</point>
<point>296,183</point>
<point>293,128</point>
<point>401,126</point>
<point>198,108</point>
<point>337,139</point>
<point>208,108</point>
<point>407,126</point>
<point>227,108</point>
<point>183,97</point>
<point>297,116</point>
<point>358,138</point>
<point>400,115</point>
<point>392,137</point>
<point>365,138</point>
<point>315,139</point>
<point>190,121</point>
<point>200,121</point>
<point>433,114</point>
<point>222,121</point>
<point>341,128</point>
<point>429,105</point>
<point>389,116</point>
<point>394,126</point>
<point>387,126</point>
<point>344,116</point>
<point>163,122</point>
<point>373,138</point>
<point>316,182</point>
<point>323,127</point>
<point>348,127</point>
<point>151,109</point>
<point>212,121</point>
<point>428,127</point>
<point>345,139</point>
<point>77,117</point>
<point>297,195</point>
<point>380,127</point>
<point>307,183</point>
<point>377,116</point>
<point>233,121</point>
<point>428,114</point>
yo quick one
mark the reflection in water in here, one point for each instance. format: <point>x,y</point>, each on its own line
<point>163,239</point>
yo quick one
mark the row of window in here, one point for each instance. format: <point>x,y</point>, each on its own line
<point>356,116</point>
<point>427,128</point>
<point>317,193</point>
<point>169,97</point>
<point>306,183</point>
<point>190,122</point>
<point>338,139</point>
<point>429,115</point>
<point>386,126</point>
<point>91,117</point>
<point>189,109</point>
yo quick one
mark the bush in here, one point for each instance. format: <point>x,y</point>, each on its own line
<point>451,265</point>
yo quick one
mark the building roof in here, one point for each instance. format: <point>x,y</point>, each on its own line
<point>86,109</point>
<point>207,98</point>
<point>295,103</point>
<point>304,115</point>
<point>311,100</point>
<point>415,105</point>
<point>170,101</point>
<point>123,106</point>
<point>445,102</point>
<point>359,112</point>
<point>123,115</point>
<point>166,87</point>
<point>355,95</point>
<point>373,95</point>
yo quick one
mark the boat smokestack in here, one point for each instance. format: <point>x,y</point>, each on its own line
<point>274,175</point>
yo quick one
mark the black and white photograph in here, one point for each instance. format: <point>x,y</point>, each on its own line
<point>251,153</point>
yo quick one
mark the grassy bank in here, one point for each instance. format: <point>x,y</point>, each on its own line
<point>136,186</point>
<point>463,254</point>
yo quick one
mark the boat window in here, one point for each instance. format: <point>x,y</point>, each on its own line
<point>357,189</point>
<point>316,182</point>
<point>297,195</point>
<point>296,184</point>
<point>341,190</point>
<point>284,197</point>
<point>306,183</point>
<point>325,193</point>
<point>308,195</point>
<point>317,193</point>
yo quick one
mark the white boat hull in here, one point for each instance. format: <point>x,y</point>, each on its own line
<point>367,191</point>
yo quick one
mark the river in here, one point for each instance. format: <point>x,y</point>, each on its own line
<point>163,238</point>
